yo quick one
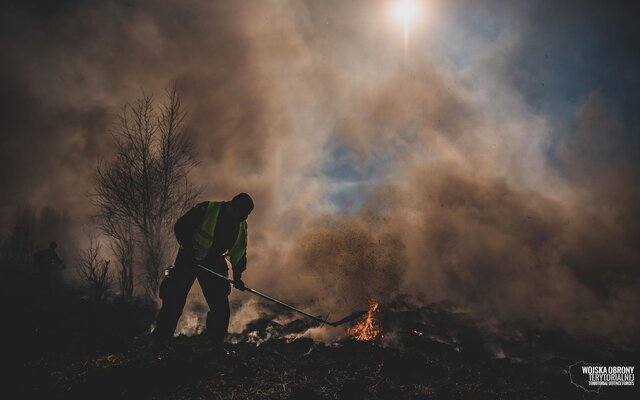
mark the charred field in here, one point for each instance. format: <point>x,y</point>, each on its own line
<point>69,347</point>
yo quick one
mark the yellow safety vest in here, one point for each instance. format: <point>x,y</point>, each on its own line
<point>203,238</point>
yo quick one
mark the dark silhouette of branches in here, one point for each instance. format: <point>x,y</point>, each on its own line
<point>146,187</point>
<point>122,246</point>
<point>94,271</point>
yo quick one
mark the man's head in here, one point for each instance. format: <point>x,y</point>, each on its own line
<point>53,245</point>
<point>241,206</point>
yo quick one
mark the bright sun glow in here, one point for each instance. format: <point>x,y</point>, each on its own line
<point>405,10</point>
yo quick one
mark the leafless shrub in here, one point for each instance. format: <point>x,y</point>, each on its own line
<point>94,271</point>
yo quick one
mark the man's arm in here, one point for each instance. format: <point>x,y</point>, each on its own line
<point>238,269</point>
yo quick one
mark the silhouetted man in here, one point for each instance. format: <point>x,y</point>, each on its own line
<point>210,234</point>
<point>46,262</point>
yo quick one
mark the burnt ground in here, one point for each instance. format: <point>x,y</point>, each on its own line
<point>68,347</point>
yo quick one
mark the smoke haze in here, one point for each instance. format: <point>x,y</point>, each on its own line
<point>494,164</point>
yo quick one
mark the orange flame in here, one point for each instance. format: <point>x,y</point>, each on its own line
<point>369,328</point>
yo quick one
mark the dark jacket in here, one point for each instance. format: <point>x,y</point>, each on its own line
<point>224,236</point>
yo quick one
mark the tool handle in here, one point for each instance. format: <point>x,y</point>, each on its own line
<point>267,297</point>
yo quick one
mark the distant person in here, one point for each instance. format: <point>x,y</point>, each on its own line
<point>210,233</point>
<point>47,263</point>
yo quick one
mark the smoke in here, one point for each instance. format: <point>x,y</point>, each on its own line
<point>446,173</point>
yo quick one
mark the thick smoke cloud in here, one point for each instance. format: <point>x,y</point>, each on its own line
<point>465,179</point>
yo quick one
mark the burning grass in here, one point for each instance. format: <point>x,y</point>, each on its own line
<point>369,328</point>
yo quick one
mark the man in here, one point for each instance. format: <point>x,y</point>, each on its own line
<point>46,262</point>
<point>210,233</point>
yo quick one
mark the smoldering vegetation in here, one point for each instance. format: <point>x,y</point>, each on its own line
<point>434,351</point>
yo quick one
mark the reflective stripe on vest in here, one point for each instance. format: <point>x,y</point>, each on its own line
<point>239,248</point>
<point>203,238</point>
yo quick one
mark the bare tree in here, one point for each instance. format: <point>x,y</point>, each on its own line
<point>94,271</point>
<point>146,186</point>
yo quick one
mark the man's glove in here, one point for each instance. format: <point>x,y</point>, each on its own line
<point>237,282</point>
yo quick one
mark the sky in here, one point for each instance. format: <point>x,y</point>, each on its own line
<point>495,158</point>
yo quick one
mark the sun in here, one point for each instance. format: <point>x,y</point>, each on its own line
<point>405,10</point>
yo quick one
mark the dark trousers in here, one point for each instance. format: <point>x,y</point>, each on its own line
<point>175,288</point>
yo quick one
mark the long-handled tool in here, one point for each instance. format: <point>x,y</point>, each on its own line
<point>351,317</point>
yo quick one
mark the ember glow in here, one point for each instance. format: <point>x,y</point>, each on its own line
<point>369,328</point>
